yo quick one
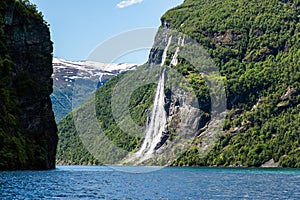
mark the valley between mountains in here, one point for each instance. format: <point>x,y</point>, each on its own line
<point>221,87</point>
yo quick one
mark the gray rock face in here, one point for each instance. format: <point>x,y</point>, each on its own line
<point>160,43</point>
<point>30,48</point>
<point>182,112</point>
<point>184,117</point>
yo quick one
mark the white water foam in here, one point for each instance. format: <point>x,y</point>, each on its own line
<point>156,126</point>
<point>164,56</point>
<point>174,61</point>
<point>158,119</point>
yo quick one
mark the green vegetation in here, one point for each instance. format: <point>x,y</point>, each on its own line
<point>61,101</point>
<point>139,106</point>
<point>17,151</point>
<point>255,45</point>
<point>71,149</point>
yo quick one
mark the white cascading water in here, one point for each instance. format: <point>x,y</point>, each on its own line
<point>158,119</point>
<point>174,60</point>
<point>157,123</point>
<point>164,56</point>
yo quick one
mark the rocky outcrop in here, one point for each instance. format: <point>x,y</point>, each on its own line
<point>270,164</point>
<point>30,49</point>
<point>184,115</point>
<point>257,62</point>
<point>160,43</point>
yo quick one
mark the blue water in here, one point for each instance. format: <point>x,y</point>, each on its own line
<point>89,182</point>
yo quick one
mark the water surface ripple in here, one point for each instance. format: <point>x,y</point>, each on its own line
<point>93,182</point>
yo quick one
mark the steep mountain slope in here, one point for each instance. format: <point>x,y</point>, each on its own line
<point>90,75</point>
<point>28,133</point>
<point>255,46</point>
<point>74,149</point>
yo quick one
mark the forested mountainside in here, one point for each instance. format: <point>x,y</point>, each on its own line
<point>255,46</point>
<point>28,133</point>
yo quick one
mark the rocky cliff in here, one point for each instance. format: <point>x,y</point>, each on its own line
<point>254,45</point>
<point>28,130</point>
<point>251,50</point>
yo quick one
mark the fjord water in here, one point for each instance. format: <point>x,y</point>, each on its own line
<point>93,182</point>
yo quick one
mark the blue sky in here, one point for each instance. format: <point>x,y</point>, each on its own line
<point>78,27</point>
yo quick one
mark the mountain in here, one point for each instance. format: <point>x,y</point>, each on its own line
<point>28,133</point>
<point>247,50</point>
<point>88,74</point>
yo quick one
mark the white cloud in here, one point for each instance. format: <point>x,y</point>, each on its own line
<point>127,3</point>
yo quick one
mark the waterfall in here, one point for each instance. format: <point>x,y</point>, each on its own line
<point>158,120</point>
<point>164,56</point>
<point>174,60</point>
<point>156,127</point>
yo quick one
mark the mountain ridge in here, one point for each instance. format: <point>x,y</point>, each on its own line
<point>255,46</point>
<point>91,74</point>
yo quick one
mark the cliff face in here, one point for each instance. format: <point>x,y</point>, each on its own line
<point>30,141</point>
<point>255,48</point>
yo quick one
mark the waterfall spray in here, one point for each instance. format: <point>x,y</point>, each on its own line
<point>156,126</point>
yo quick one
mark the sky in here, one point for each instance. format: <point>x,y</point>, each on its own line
<point>78,27</point>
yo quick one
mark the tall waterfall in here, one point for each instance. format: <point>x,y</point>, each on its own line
<point>164,56</point>
<point>158,120</point>
<point>156,127</point>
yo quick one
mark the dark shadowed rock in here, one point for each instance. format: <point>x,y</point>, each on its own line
<point>30,49</point>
